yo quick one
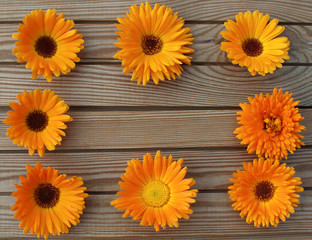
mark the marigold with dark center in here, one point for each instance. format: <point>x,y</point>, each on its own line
<point>253,42</point>
<point>37,120</point>
<point>48,203</point>
<point>270,125</point>
<point>155,191</point>
<point>153,43</point>
<point>47,43</point>
<point>265,192</point>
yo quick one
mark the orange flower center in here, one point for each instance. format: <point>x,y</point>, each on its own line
<point>151,44</point>
<point>155,194</point>
<point>46,195</point>
<point>37,120</point>
<point>46,46</point>
<point>264,191</point>
<point>273,125</point>
<point>252,47</point>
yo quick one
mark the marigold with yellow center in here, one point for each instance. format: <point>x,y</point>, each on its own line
<point>265,192</point>
<point>47,43</point>
<point>253,42</point>
<point>48,202</point>
<point>155,191</point>
<point>153,43</point>
<point>270,125</point>
<point>37,120</point>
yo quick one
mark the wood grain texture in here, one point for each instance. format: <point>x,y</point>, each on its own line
<point>213,217</point>
<point>192,117</point>
<point>199,86</point>
<point>101,171</point>
<point>100,37</point>
<point>151,129</point>
<point>213,10</point>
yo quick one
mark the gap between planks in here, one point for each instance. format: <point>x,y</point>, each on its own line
<point>4,109</point>
<point>16,22</point>
<point>197,10</point>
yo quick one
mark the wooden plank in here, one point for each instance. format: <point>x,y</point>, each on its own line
<point>213,217</point>
<point>205,86</point>
<point>101,171</point>
<point>99,39</point>
<point>203,237</point>
<point>151,129</point>
<point>214,10</point>
<point>207,40</point>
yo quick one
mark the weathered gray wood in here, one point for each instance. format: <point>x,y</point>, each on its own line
<point>151,129</point>
<point>213,217</point>
<point>209,86</point>
<point>213,10</point>
<point>101,171</point>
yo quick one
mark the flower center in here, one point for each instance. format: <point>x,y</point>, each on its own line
<point>45,46</point>
<point>155,194</point>
<point>151,44</point>
<point>37,121</point>
<point>273,125</point>
<point>252,47</point>
<point>46,195</point>
<point>264,191</point>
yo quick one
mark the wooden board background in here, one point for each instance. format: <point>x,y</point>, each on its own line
<point>192,117</point>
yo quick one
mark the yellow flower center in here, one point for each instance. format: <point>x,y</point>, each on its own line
<point>273,125</point>
<point>155,194</point>
<point>264,191</point>
<point>37,120</point>
<point>151,44</point>
<point>46,46</point>
<point>252,47</point>
<point>46,195</point>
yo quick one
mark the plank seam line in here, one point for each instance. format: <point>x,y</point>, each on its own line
<point>115,62</point>
<point>111,21</point>
<point>58,151</point>
<point>75,108</point>
<point>129,150</point>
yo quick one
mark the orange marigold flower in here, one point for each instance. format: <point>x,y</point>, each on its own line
<point>37,120</point>
<point>252,42</point>
<point>156,191</point>
<point>265,192</point>
<point>270,125</point>
<point>47,43</point>
<point>48,202</point>
<point>153,43</point>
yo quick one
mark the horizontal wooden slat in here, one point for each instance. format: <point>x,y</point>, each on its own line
<point>213,10</point>
<point>207,41</point>
<point>213,217</point>
<point>101,171</point>
<point>151,129</point>
<point>209,86</point>
<point>99,39</point>
<point>115,120</point>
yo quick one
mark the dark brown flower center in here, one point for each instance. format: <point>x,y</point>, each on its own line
<point>264,191</point>
<point>151,44</point>
<point>45,46</point>
<point>37,121</point>
<point>252,47</point>
<point>46,195</point>
<point>273,125</point>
